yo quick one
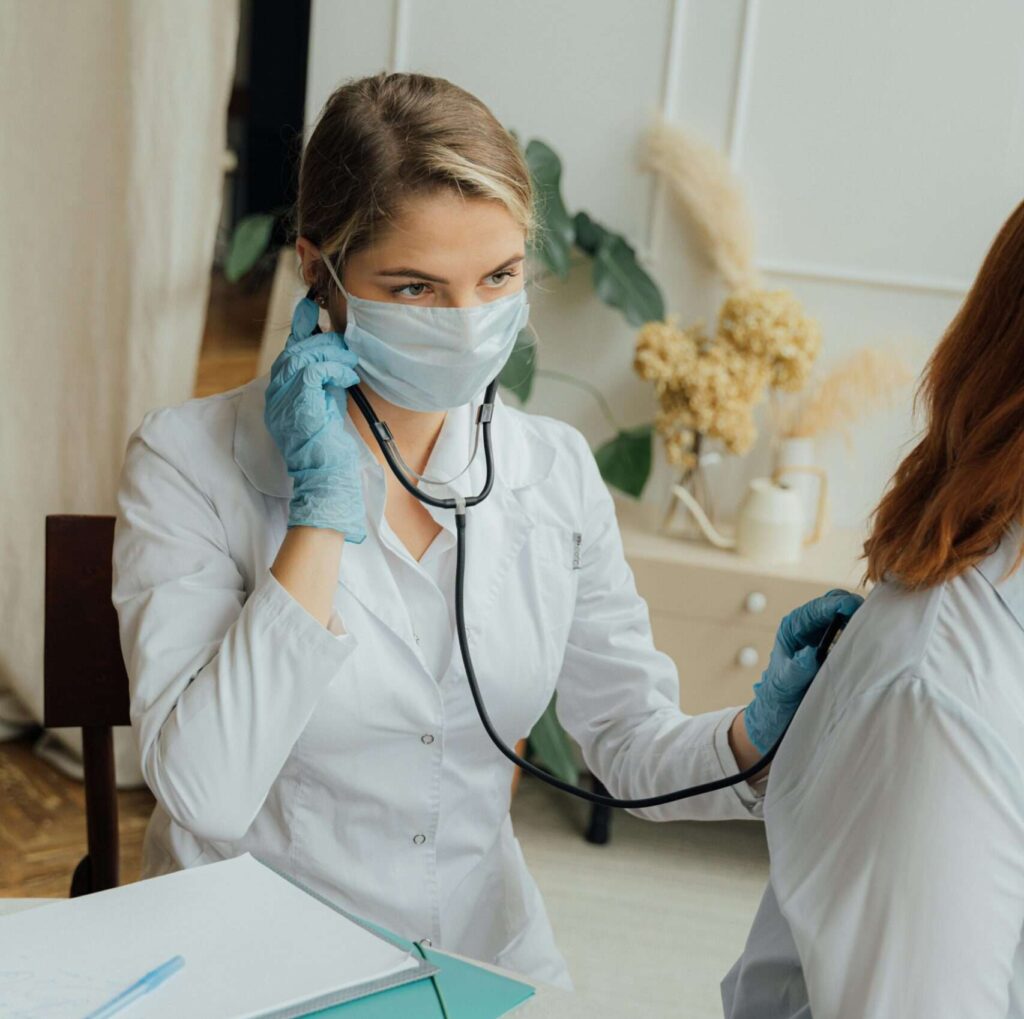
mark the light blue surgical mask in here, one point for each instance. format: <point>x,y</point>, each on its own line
<point>425,358</point>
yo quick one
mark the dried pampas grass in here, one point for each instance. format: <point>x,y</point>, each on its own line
<point>866,381</point>
<point>707,192</point>
<point>708,385</point>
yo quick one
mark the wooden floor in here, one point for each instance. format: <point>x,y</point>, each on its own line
<point>42,811</point>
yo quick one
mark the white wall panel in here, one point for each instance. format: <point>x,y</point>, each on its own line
<point>348,39</point>
<point>579,74</point>
<point>879,135</point>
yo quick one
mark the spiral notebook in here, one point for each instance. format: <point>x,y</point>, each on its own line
<point>256,945</point>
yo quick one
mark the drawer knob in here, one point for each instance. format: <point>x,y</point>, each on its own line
<point>756,602</point>
<point>748,657</point>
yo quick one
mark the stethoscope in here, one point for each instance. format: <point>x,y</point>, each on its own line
<point>386,442</point>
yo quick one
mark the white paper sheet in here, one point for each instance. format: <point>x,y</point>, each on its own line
<point>251,940</point>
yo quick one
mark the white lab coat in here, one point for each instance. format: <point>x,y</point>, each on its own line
<point>895,817</point>
<point>334,753</point>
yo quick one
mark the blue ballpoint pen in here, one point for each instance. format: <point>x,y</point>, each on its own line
<point>154,978</point>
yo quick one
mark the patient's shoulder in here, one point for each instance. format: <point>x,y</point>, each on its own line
<point>887,637</point>
<point>958,642</point>
<point>975,649</point>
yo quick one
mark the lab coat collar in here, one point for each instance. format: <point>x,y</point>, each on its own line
<point>496,530</point>
<point>522,457</point>
<point>1011,589</point>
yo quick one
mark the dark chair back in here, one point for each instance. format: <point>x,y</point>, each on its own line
<point>85,682</point>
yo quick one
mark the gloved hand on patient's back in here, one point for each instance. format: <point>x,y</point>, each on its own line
<point>792,666</point>
<point>305,413</point>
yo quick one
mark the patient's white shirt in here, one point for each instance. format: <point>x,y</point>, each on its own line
<point>895,817</point>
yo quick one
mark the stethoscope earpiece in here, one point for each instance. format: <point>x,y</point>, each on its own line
<point>311,295</point>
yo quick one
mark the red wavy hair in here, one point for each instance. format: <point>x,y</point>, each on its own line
<point>952,498</point>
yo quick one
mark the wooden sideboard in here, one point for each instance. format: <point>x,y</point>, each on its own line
<point>716,613</point>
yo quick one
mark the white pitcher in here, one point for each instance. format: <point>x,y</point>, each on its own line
<point>770,526</point>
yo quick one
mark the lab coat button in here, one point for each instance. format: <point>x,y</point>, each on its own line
<point>419,839</point>
<point>427,738</point>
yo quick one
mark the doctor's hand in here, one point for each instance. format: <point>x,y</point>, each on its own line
<point>792,666</point>
<point>305,413</point>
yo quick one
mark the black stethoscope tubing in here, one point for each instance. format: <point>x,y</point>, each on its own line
<point>385,440</point>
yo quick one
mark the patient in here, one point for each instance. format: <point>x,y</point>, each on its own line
<point>895,807</point>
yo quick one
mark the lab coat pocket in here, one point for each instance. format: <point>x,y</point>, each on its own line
<point>557,559</point>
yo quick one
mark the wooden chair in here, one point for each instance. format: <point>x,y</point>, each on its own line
<point>85,682</point>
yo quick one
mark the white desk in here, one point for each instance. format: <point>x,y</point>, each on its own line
<point>547,1003</point>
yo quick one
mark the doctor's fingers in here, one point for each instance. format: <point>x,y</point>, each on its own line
<point>318,349</point>
<point>806,625</point>
<point>322,374</point>
<point>304,319</point>
<point>794,675</point>
<point>297,340</point>
<point>306,384</point>
<point>302,407</point>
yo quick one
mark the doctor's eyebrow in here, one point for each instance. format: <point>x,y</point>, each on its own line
<point>405,271</point>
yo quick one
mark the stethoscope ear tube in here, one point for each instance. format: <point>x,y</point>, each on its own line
<point>386,441</point>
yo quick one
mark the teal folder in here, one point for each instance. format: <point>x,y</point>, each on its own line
<point>469,991</point>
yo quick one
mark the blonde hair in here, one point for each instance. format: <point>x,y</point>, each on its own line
<point>380,140</point>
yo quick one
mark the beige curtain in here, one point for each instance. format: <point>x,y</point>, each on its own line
<point>111,166</point>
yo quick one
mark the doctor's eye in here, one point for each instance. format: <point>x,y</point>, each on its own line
<point>503,276</point>
<point>408,286</point>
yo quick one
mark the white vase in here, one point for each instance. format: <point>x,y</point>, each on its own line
<point>769,528</point>
<point>796,468</point>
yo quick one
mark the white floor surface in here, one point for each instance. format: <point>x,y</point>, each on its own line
<point>652,921</point>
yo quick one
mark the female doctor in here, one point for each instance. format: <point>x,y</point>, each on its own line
<point>285,606</point>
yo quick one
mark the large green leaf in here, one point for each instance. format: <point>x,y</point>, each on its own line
<point>517,374</point>
<point>621,282</point>
<point>552,747</point>
<point>248,243</point>
<point>625,461</point>
<point>588,233</point>
<point>554,241</point>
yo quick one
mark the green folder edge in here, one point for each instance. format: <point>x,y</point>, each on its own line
<point>470,992</point>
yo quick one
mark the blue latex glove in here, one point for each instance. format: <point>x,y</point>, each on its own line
<point>305,414</point>
<point>792,666</point>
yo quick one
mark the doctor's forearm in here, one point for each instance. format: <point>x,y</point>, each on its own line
<point>742,749</point>
<point>307,566</point>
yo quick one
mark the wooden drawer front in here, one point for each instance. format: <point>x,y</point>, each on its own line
<point>708,658</point>
<point>720,596</point>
